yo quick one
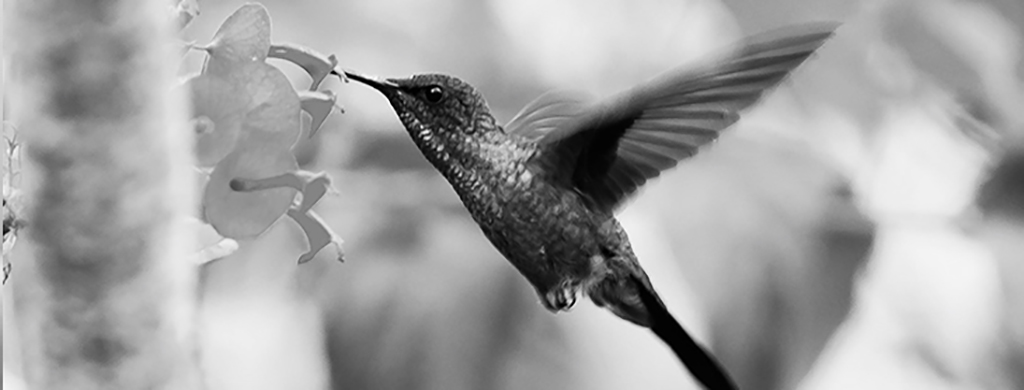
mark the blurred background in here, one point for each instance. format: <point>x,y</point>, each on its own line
<point>861,228</point>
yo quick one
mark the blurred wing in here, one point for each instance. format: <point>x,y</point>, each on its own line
<point>608,150</point>
<point>546,113</point>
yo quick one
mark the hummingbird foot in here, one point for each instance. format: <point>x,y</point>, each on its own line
<point>560,298</point>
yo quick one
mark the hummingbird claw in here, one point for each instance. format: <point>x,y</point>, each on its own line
<point>559,299</point>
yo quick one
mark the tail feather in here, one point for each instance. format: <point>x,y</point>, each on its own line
<point>695,358</point>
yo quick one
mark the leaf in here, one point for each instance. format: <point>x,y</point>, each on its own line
<point>218,108</point>
<point>318,234</point>
<point>209,245</point>
<point>269,128</point>
<point>319,105</point>
<point>274,109</point>
<point>241,215</point>
<point>248,117</point>
<point>243,37</point>
<point>317,65</point>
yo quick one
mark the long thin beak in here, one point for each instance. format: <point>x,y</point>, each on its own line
<point>375,82</point>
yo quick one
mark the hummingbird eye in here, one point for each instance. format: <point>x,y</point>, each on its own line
<point>433,94</point>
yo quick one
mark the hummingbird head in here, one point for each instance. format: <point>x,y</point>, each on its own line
<point>433,105</point>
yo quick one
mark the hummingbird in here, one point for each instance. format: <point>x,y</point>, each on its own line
<point>544,187</point>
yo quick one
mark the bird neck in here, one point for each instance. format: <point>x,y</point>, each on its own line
<point>468,159</point>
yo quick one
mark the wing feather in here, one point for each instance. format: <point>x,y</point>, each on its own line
<point>607,150</point>
<point>546,113</point>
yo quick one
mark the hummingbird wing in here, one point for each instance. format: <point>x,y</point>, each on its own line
<point>607,150</point>
<point>546,113</point>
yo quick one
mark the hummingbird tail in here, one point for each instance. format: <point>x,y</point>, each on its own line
<point>633,299</point>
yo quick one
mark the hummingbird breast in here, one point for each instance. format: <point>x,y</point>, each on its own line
<point>545,231</point>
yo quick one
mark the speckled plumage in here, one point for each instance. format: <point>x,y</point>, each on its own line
<point>545,230</point>
<point>544,190</point>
